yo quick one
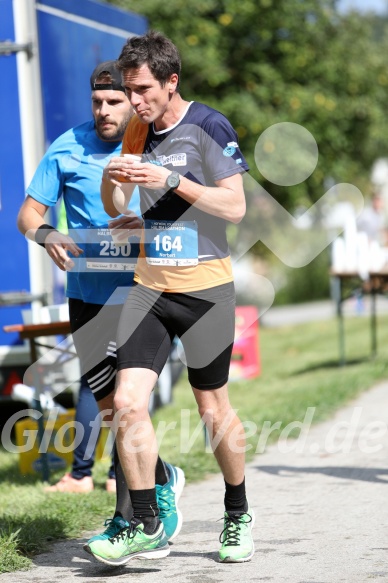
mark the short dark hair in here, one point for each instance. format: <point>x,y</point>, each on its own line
<point>154,50</point>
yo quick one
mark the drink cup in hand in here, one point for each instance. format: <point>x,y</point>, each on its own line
<point>133,158</point>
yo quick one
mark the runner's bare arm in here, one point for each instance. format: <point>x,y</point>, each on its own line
<point>225,200</point>
<point>30,218</point>
<point>114,195</point>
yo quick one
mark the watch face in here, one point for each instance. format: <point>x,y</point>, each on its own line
<point>173,180</point>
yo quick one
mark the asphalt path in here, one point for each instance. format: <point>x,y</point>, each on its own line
<point>321,514</point>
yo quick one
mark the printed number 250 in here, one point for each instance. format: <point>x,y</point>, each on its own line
<point>109,249</point>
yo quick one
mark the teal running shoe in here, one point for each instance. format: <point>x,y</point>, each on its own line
<point>167,497</point>
<point>113,526</point>
<point>236,538</point>
<point>129,543</point>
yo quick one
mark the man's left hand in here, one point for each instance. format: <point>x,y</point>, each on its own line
<point>148,175</point>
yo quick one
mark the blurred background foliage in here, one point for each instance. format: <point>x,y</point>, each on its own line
<point>261,62</point>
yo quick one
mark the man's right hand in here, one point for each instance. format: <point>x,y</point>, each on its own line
<point>113,171</point>
<point>118,170</point>
<point>57,245</point>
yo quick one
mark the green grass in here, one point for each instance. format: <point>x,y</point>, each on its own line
<point>299,370</point>
<point>30,519</point>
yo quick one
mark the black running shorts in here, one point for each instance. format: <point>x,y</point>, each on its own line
<point>203,320</point>
<point>94,329</point>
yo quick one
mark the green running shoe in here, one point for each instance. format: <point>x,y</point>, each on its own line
<point>129,543</point>
<point>167,497</point>
<point>236,538</point>
<point>113,526</point>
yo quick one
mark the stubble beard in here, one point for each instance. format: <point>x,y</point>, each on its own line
<point>113,134</point>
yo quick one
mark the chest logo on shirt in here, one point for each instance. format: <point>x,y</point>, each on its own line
<point>173,159</point>
<point>187,138</point>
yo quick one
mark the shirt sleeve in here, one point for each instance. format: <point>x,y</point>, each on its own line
<point>47,183</point>
<point>221,150</point>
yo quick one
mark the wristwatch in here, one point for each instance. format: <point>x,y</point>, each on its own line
<point>173,180</point>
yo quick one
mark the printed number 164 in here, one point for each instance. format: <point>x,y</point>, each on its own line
<point>167,243</point>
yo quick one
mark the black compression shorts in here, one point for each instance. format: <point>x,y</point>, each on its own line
<point>203,320</point>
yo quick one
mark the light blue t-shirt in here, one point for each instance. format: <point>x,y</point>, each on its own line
<point>72,167</point>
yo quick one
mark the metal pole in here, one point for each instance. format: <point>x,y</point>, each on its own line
<point>37,405</point>
<point>336,292</point>
<point>373,321</point>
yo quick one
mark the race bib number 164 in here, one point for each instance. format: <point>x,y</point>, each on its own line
<point>171,243</point>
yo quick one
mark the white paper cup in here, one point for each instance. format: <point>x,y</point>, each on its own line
<point>120,197</point>
<point>32,316</point>
<point>63,312</point>
<point>132,157</point>
<point>27,317</point>
<point>45,317</point>
<point>129,158</point>
<point>54,313</point>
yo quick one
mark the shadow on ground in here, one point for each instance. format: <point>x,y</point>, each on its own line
<point>335,364</point>
<point>346,473</point>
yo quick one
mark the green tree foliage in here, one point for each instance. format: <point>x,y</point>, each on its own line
<point>261,62</point>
